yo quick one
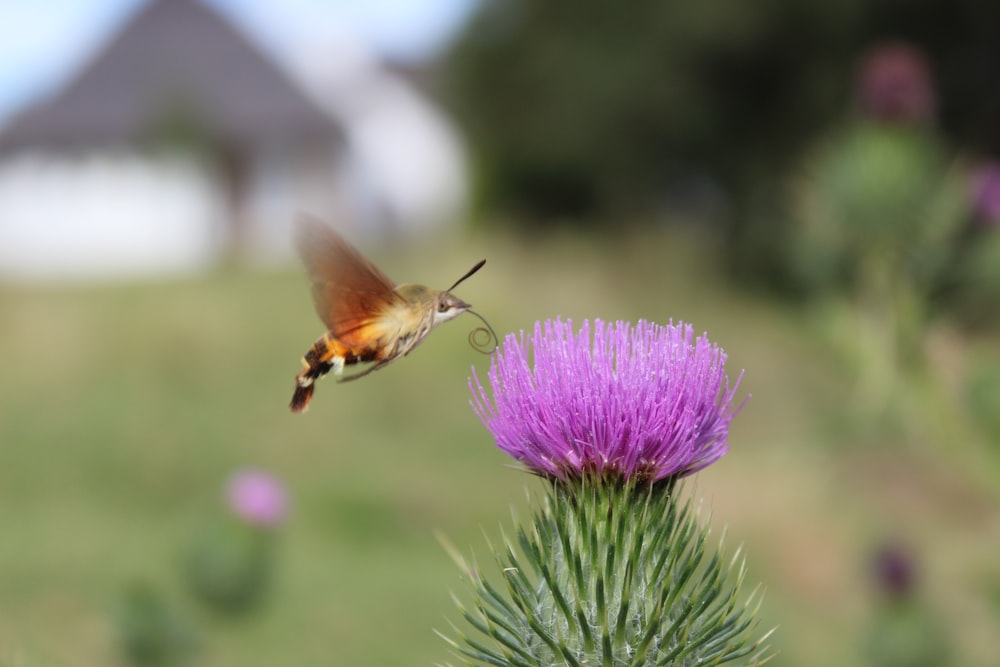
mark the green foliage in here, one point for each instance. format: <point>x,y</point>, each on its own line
<point>611,574</point>
<point>152,632</point>
<point>879,183</point>
<point>877,194</point>
<point>883,232</point>
<point>905,634</point>
<point>972,289</point>
<point>982,396</point>
<point>230,567</point>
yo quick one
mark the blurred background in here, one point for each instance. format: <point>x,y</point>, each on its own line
<point>815,184</point>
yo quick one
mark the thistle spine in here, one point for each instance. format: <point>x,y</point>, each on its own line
<point>613,575</point>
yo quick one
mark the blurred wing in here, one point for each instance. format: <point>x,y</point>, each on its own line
<point>349,292</point>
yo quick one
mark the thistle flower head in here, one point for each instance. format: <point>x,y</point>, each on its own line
<point>616,400</point>
<point>257,497</point>
<point>894,571</point>
<point>895,85</point>
<point>985,192</point>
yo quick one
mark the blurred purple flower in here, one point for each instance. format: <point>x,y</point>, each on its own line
<point>894,571</point>
<point>643,401</point>
<point>985,192</point>
<point>257,497</point>
<point>894,85</point>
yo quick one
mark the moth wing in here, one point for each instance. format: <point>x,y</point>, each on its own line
<point>351,294</point>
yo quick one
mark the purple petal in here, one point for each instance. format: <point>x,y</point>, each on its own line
<point>622,400</point>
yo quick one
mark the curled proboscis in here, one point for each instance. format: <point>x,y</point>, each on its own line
<point>483,339</point>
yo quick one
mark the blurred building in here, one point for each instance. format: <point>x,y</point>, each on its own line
<point>181,144</point>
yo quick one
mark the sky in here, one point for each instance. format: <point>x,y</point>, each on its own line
<point>43,42</point>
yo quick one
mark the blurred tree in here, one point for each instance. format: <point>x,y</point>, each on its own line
<point>590,110</point>
<point>583,108</point>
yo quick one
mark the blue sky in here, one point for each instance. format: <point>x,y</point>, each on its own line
<point>42,42</point>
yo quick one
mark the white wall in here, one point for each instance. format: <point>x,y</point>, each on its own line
<point>106,215</point>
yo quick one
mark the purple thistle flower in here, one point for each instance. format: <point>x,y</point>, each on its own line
<point>632,401</point>
<point>985,192</point>
<point>894,571</point>
<point>895,84</point>
<point>257,497</point>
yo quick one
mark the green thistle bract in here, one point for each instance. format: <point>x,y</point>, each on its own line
<point>613,575</point>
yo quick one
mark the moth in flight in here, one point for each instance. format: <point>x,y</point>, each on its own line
<point>369,319</point>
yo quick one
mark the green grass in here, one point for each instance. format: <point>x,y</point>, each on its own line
<point>123,408</point>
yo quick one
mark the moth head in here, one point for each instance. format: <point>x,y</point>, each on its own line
<point>447,307</point>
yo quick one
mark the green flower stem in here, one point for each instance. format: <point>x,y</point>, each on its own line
<point>616,574</point>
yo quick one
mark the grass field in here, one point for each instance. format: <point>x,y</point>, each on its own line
<point>123,408</point>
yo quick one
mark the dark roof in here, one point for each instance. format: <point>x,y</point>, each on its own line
<point>175,60</point>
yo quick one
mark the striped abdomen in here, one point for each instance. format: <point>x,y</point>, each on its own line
<point>326,354</point>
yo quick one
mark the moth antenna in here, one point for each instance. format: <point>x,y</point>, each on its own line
<point>475,339</point>
<point>468,273</point>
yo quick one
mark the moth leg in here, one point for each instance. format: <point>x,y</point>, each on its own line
<point>371,369</point>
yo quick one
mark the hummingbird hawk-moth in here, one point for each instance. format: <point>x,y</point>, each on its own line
<point>369,319</point>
